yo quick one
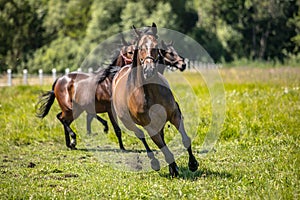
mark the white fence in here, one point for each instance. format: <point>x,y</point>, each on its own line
<point>40,79</point>
<point>10,79</point>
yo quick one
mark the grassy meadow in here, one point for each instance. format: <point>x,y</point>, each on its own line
<point>257,155</point>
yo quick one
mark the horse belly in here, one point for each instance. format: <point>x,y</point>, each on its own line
<point>102,106</point>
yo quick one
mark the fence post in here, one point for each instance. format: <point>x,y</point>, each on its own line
<point>67,70</point>
<point>9,81</point>
<point>54,74</point>
<point>90,70</point>
<point>25,76</point>
<point>41,76</point>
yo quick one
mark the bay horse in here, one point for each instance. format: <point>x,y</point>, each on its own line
<point>124,58</point>
<point>168,57</point>
<point>142,96</point>
<point>63,90</point>
<point>77,92</point>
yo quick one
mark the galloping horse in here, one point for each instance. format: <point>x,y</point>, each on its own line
<point>141,95</point>
<point>73,97</point>
<point>70,92</point>
<point>168,57</point>
<point>124,58</point>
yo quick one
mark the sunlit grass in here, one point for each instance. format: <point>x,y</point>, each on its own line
<point>256,156</point>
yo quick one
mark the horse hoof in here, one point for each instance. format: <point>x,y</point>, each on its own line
<point>123,149</point>
<point>73,146</point>
<point>193,164</point>
<point>155,164</point>
<point>173,169</point>
<point>105,130</point>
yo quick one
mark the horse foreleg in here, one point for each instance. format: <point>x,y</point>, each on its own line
<point>169,157</point>
<point>140,134</point>
<point>177,121</point>
<point>155,165</point>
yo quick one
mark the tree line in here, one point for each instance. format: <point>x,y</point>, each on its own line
<point>48,34</point>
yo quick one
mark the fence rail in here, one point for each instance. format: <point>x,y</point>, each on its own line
<point>40,78</point>
<point>10,79</point>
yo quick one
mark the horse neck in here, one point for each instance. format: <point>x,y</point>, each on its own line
<point>119,61</point>
<point>135,81</point>
<point>162,64</point>
<point>136,76</point>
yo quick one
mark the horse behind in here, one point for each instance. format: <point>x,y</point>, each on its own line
<point>73,96</point>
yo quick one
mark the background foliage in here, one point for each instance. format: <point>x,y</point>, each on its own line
<point>47,34</point>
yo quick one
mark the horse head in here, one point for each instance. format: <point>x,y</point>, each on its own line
<point>126,51</point>
<point>171,57</point>
<point>147,55</point>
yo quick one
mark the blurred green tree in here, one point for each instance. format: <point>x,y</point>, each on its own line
<point>21,32</point>
<point>261,24</point>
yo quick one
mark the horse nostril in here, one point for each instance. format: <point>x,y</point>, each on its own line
<point>183,66</point>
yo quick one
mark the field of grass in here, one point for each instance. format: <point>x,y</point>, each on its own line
<point>257,155</point>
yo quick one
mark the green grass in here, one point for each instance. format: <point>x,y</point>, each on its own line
<point>256,157</point>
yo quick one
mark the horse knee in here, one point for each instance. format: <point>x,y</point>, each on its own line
<point>169,157</point>
<point>139,133</point>
<point>186,142</point>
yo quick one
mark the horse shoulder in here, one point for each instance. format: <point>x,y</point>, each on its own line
<point>163,80</point>
<point>124,71</point>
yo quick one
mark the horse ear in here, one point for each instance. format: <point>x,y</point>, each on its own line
<point>154,28</point>
<point>171,42</point>
<point>138,34</point>
<point>123,40</point>
<point>164,46</point>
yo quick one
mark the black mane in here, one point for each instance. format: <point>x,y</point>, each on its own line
<point>108,72</point>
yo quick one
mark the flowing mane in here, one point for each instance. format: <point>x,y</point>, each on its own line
<point>108,72</point>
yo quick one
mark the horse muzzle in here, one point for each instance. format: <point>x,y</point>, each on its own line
<point>149,70</point>
<point>181,67</point>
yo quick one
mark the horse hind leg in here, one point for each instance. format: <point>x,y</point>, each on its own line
<point>89,118</point>
<point>73,142</point>
<point>68,131</point>
<point>103,122</point>
<point>67,136</point>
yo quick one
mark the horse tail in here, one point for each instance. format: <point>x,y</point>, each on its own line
<point>45,102</point>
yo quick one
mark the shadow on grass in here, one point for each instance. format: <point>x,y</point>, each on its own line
<point>186,174</point>
<point>106,149</point>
